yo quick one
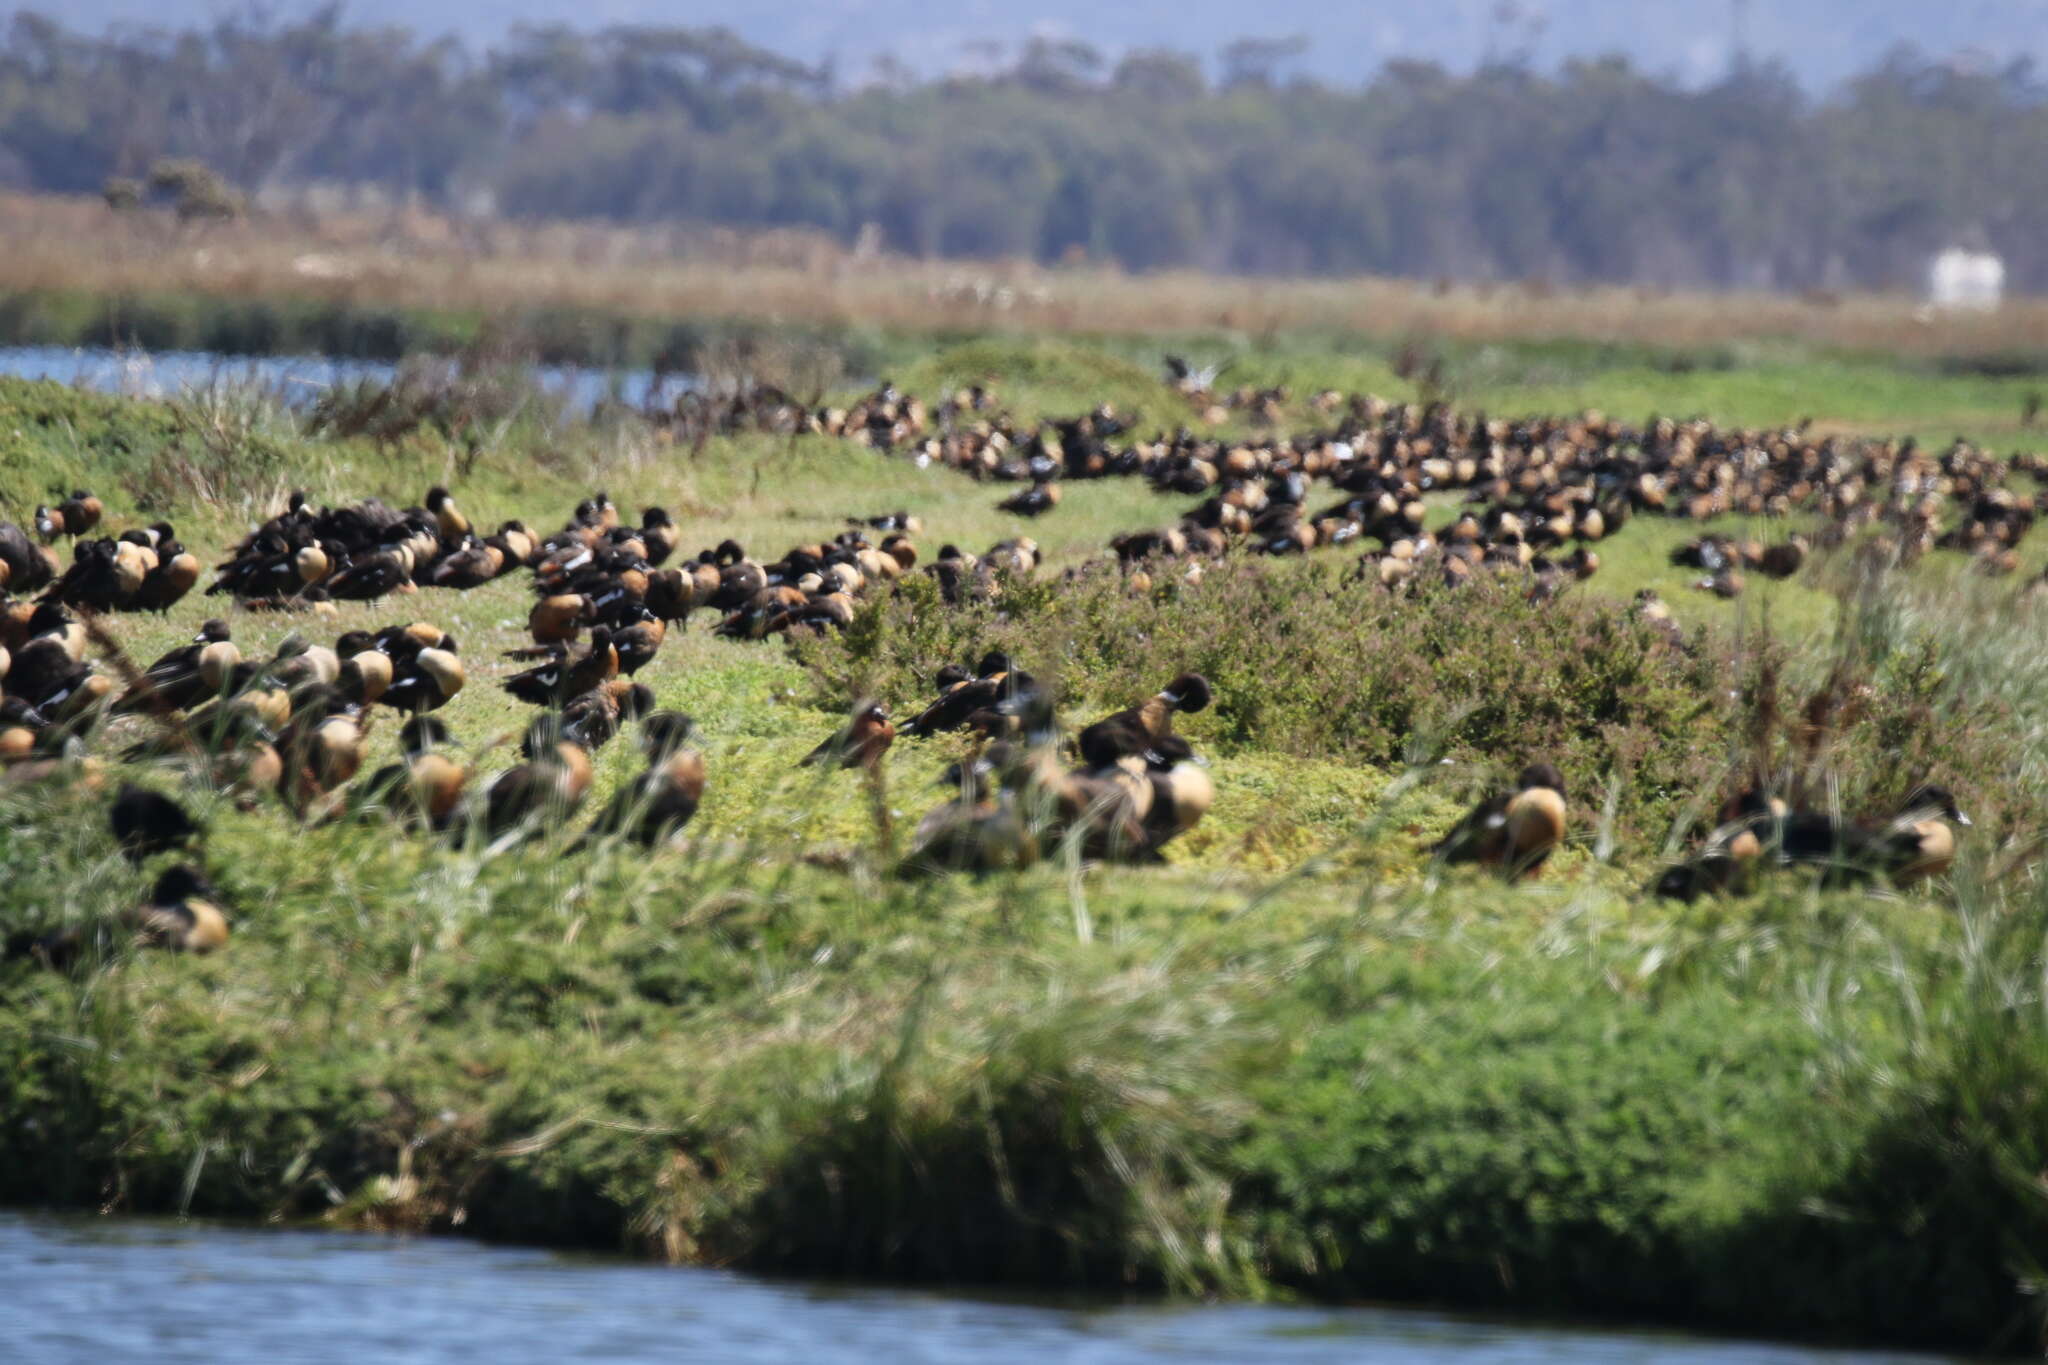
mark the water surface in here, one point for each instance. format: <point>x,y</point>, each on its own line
<point>298,379</point>
<point>100,1290</point>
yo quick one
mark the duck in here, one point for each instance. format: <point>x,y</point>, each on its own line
<point>269,567</point>
<point>598,511</point>
<point>47,671</point>
<point>322,746</point>
<point>51,620</point>
<point>104,576</point>
<point>242,757</point>
<point>300,663</point>
<point>25,566</point>
<point>1726,583</point>
<point>371,577</point>
<point>72,517</point>
<point>1034,501</point>
<point>558,618</point>
<point>425,786</point>
<point>1916,844</point>
<point>671,594</point>
<point>995,678</point>
<point>665,797</point>
<point>365,676</point>
<point>639,641</point>
<point>1103,809</point>
<point>1137,729</point>
<point>448,518</point>
<point>594,717</point>
<point>1182,793</point>
<point>398,640</point>
<point>1026,715</point>
<point>250,697</point>
<point>1920,842</point>
<point>187,675</point>
<point>471,564</point>
<point>145,823</point>
<point>658,533</point>
<point>176,574</point>
<point>21,730</point>
<point>899,521</point>
<point>1784,559</point>
<point>979,829</point>
<point>1727,862</point>
<point>860,743</point>
<point>545,789</point>
<point>182,914</point>
<point>571,675</point>
<point>58,753</point>
<point>422,678</point>
<point>1515,831</point>
<point>520,546</point>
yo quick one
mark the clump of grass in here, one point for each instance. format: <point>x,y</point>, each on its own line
<point>1935,1171</point>
<point>468,400</point>
<point>1542,1141</point>
<point>1066,1128</point>
<point>230,446</point>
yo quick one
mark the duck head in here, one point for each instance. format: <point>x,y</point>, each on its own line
<point>1540,775</point>
<point>1189,692</point>
<point>1929,797</point>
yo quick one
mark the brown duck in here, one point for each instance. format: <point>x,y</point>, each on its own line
<point>1515,831</point>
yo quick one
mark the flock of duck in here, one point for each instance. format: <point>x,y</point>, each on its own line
<point>1534,497</point>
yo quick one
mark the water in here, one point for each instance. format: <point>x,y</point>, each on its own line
<point>298,378</point>
<point>97,1290</point>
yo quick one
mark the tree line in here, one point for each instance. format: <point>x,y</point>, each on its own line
<point>1595,171</point>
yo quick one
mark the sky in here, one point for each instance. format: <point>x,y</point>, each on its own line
<point>1822,41</point>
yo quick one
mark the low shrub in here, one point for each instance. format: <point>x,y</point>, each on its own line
<point>1308,660</point>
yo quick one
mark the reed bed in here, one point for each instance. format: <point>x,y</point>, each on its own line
<point>416,263</point>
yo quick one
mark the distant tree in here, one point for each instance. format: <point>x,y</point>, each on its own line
<point>1157,74</point>
<point>1593,170</point>
<point>123,193</point>
<point>194,191</point>
<point>1256,62</point>
<point>1057,66</point>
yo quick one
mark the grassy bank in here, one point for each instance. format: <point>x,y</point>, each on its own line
<point>1292,1059</point>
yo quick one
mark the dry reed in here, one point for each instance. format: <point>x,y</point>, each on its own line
<point>414,260</point>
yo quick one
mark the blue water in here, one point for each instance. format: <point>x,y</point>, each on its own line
<point>298,379</point>
<point>98,1290</point>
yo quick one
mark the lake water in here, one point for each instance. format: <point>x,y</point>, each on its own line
<point>99,1290</point>
<point>298,378</point>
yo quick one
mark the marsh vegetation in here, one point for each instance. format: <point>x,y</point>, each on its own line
<point>1296,1056</point>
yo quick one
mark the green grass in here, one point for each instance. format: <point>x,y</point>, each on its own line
<point>1295,1059</point>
